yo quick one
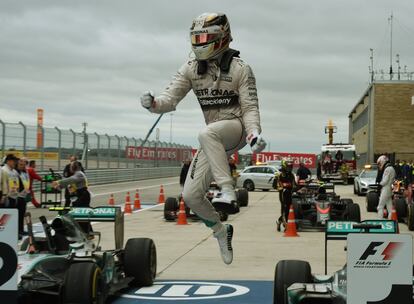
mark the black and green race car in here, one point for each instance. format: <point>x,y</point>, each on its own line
<point>294,282</point>
<point>67,265</point>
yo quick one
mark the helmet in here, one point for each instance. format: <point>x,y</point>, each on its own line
<point>210,35</point>
<point>287,165</point>
<point>382,160</point>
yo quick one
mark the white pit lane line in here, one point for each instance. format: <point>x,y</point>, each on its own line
<point>38,229</point>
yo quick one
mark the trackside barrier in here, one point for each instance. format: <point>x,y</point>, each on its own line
<point>109,176</point>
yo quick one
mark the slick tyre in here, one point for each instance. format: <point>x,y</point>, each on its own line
<point>372,200</point>
<point>242,197</point>
<point>140,261</point>
<point>170,209</point>
<point>410,217</point>
<point>354,213</point>
<point>83,284</point>
<point>288,272</point>
<point>401,208</point>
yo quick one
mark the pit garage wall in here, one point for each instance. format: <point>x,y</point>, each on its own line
<point>394,119</point>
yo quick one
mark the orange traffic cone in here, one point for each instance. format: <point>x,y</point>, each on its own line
<point>291,224</point>
<point>111,201</point>
<point>161,198</point>
<point>127,209</point>
<point>394,217</point>
<point>182,216</point>
<point>137,202</point>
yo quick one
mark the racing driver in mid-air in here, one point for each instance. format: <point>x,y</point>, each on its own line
<point>226,91</point>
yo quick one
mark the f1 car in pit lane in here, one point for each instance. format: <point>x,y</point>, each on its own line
<point>403,204</point>
<point>171,205</point>
<point>67,265</point>
<point>294,282</point>
<point>315,203</point>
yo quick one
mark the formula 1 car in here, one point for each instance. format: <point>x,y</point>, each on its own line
<point>314,204</point>
<point>404,207</point>
<point>294,282</point>
<point>67,265</point>
<point>171,205</point>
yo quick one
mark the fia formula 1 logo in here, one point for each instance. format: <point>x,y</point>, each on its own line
<point>187,290</point>
<point>3,221</point>
<point>373,257</point>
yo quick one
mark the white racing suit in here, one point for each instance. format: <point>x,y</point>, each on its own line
<point>230,106</point>
<point>386,191</point>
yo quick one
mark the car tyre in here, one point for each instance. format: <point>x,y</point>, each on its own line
<point>170,209</point>
<point>248,185</point>
<point>401,209</point>
<point>140,261</point>
<point>355,189</point>
<point>288,272</point>
<point>354,212</point>
<point>83,284</point>
<point>410,217</point>
<point>372,201</point>
<point>242,197</point>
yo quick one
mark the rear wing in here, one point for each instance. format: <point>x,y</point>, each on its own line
<point>339,230</point>
<point>98,214</point>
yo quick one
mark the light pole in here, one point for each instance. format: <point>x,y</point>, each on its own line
<point>171,121</point>
<point>85,145</point>
<point>157,140</point>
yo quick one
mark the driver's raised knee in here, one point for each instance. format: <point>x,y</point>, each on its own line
<point>207,134</point>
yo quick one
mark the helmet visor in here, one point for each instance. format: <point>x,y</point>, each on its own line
<point>204,38</point>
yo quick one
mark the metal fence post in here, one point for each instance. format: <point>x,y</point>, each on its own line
<point>74,141</point>
<point>98,147</point>
<point>3,138</point>
<point>119,149</point>
<point>135,151</point>
<point>126,159</point>
<point>24,136</point>
<point>59,146</point>
<point>109,150</point>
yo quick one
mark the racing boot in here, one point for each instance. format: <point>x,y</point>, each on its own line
<point>226,200</point>
<point>281,222</point>
<point>224,237</point>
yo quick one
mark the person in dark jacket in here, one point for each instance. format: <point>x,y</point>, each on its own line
<point>303,173</point>
<point>184,171</point>
<point>68,173</point>
<point>78,183</point>
<point>286,181</point>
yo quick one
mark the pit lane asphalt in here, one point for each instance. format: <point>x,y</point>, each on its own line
<point>191,253</point>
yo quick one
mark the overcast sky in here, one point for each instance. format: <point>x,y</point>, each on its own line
<point>91,60</point>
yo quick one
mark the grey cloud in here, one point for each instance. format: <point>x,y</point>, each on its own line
<point>90,61</point>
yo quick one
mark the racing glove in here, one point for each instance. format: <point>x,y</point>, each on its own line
<point>147,100</point>
<point>256,142</point>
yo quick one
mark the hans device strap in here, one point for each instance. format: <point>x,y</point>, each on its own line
<point>224,63</point>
